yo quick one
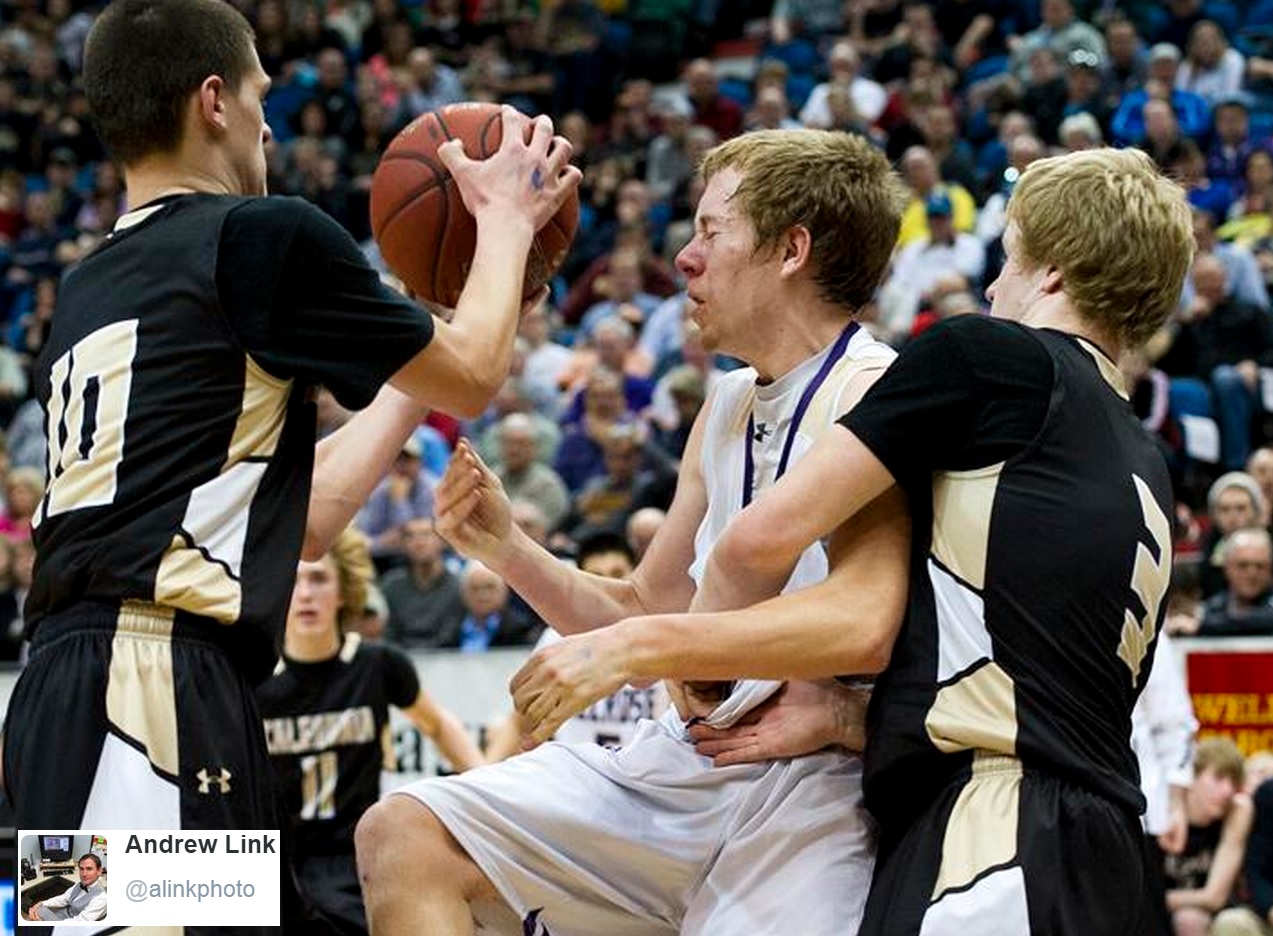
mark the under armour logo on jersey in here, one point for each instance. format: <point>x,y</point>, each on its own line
<point>762,432</point>
<point>531,925</point>
<point>206,779</point>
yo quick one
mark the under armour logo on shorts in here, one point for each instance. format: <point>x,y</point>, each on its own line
<point>531,925</point>
<point>762,432</point>
<point>222,781</point>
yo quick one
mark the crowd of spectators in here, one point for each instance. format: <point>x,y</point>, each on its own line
<point>585,436</point>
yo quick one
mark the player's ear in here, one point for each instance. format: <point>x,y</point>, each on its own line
<point>212,101</point>
<point>796,246</point>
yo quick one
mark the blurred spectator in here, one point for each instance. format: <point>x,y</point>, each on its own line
<point>1201,878</point>
<point>924,261</point>
<point>992,219</point>
<point>1194,117</point>
<point>868,96</point>
<point>612,347</point>
<point>711,108</point>
<point>27,444</point>
<point>625,484</point>
<point>1231,142</point>
<point>1222,343</point>
<point>23,488</point>
<point>810,20</point>
<point>1188,166</point>
<point>1245,607</point>
<point>974,31</point>
<point>1245,282</point>
<point>405,494</point>
<point>678,398</point>
<point>429,85</point>
<point>489,621</point>
<point>669,163</point>
<point>1126,59</point>
<point>334,96</point>
<point>624,298</point>
<point>1234,502</point>
<point>1083,91</point>
<point>523,475</point>
<point>1212,68</point>
<point>940,129</point>
<point>1079,132</point>
<point>425,607</point>
<point>1046,92</point>
<point>545,361</point>
<point>770,111</point>
<point>919,170</point>
<point>580,457</point>
<point>1256,919</point>
<point>520,72</point>
<point>1259,466</point>
<point>1061,32</point>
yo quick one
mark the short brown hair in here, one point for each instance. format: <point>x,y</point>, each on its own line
<point>143,60</point>
<point>838,186</point>
<point>1119,231</point>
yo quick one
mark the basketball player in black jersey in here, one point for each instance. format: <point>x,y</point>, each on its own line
<point>326,711</point>
<point>998,759</point>
<point>178,382</point>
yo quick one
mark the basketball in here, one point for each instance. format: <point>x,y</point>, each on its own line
<point>425,234</point>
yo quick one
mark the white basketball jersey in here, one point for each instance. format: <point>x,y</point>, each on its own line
<point>612,721</point>
<point>772,408</point>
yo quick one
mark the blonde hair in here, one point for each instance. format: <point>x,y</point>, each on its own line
<point>1221,755</point>
<point>1118,230</point>
<point>838,186</point>
<point>351,555</point>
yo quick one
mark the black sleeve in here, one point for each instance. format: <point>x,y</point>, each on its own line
<point>306,305</point>
<point>402,685</point>
<point>968,393</point>
<point>1259,852</point>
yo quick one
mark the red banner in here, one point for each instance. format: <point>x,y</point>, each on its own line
<point>1233,695</point>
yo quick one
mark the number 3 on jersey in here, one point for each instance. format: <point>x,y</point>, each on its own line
<point>90,387</point>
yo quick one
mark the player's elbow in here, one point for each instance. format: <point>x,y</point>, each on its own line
<point>748,551</point>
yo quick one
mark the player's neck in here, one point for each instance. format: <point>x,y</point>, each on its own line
<point>793,342</point>
<point>1057,313</point>
<point>312,648</point>
<point>160,175</point>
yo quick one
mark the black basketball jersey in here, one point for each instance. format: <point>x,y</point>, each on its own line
<point>176,383</point>
<point>327,730</point>
<point>1041,558</point>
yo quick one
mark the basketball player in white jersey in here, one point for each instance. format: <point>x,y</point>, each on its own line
<point>792,236</point>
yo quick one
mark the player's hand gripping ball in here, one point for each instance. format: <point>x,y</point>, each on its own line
<point>425,234</point>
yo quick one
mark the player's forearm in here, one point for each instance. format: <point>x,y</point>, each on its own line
<point>350,462</point>
<point>485,321</point>
<point>809,634</point>
<point>570,600</point>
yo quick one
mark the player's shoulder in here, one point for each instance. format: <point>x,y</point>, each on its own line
<point>282,213</point>
<point>733,383</point>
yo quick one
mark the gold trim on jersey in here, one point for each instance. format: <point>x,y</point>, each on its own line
<point>260,423</point>
<point>141,697</point>
<point>981,832</point>
<point>976,711</point>
<point>187,580</point>
<point>1109,370</point>
<point>962,507</point>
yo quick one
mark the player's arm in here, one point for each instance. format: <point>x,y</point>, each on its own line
<point>1225,865</point>
<point>756,554</point>
<point>503,739</point>
<point>511,195</point>
<point>445,730</point>
<point>844,624</point>
<point>471,512</point>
